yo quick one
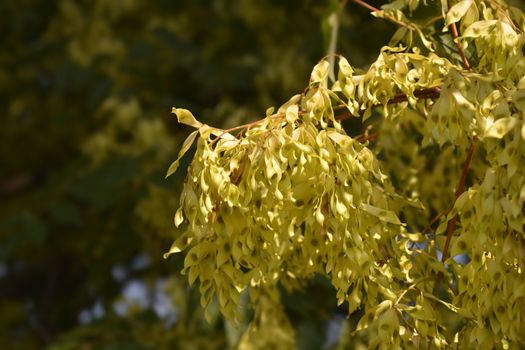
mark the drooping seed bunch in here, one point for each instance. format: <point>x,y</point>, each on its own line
<point>293,195</point>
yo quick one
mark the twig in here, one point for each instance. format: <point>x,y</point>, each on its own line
<point>366,5</point>
<point>459,190</point>
<point>244,126</point>
<point>435,219</point>
<point>455,35</point>
<point>368,137</point>
<point>432,93</point>
<point>414,285</point>
<point>375,9</point>
<point>451,225</point>
<point>249,125</point>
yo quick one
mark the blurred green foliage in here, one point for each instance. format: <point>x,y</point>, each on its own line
<point>86,138</point>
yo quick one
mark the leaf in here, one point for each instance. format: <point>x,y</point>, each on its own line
<point>292,101</point>
<point>457,12</point>
<point>344,67</point>
<point>424,40</point>
<point>320,72</point>
<point>185,147</point>
<point>501,127</point>
<point>423,312</point>
<point>461,311</point>
<point>205,131</point>
<point>470,17</point>
<point>518,98</point>
<point>186,117</point>
<point>223,255</point>
<point>342,140</point>
<point>292,113</point>
<point>319,217</point>
<point>458,204</point>
<point>400,33</point>
<point>479,28</point>
<point>382,214</point>
<point>179,218</point>
<point>179,245</point>
<point>193,274</point>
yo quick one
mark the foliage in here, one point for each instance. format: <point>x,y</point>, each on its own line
<point>87,88</point>
<point>418,226</point>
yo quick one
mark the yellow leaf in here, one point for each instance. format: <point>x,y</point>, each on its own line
<point>179,245</point>
<point>382,214</point>
<point>223,255</point>
<point>501,127</point>
<point>185,147</point>
<point>186,117</point>
<point>320,72</point>
<point>179,218</point>
<point>457,12</point>
<point>479,28</point>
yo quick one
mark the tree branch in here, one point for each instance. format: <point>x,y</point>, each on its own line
<point>432,92</point>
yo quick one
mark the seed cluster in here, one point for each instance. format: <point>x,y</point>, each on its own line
<point>293,195</point>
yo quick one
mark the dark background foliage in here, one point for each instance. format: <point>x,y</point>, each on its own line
<point>85,140</point>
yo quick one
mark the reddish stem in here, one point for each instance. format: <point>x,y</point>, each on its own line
<point>451,225</point>
<point>459,190</point>
<point>368,137</point>
<point>455,35</point>
<point>366,5</point>
<point>375,9</point>
<point>432,92</point>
